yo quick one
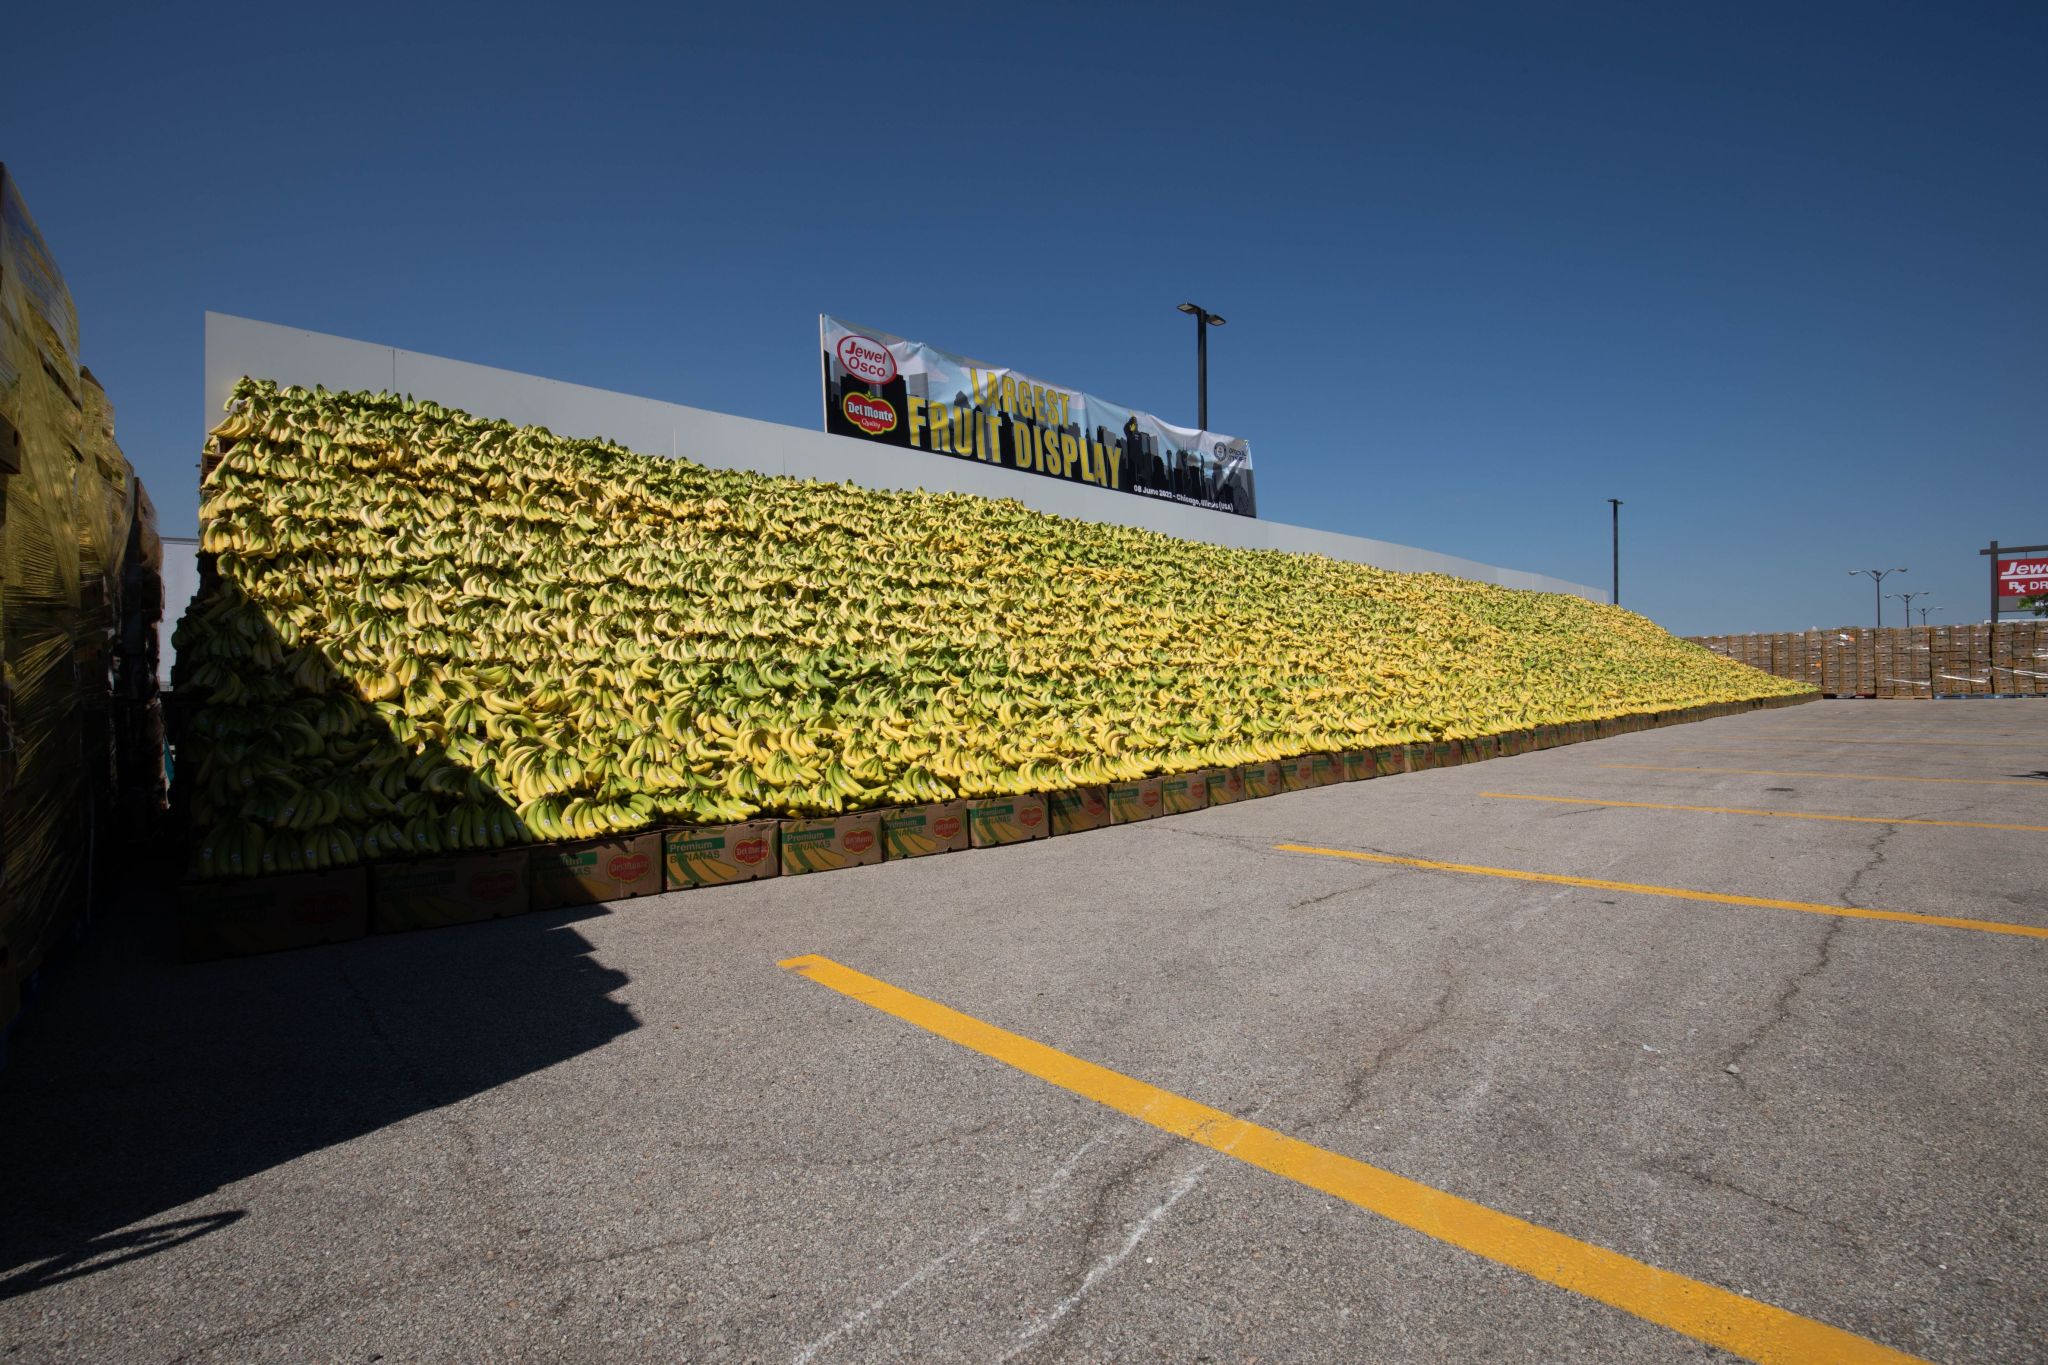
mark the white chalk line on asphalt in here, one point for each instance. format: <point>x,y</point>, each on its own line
<point>1140,1230</point>
<point>1014,1214</point>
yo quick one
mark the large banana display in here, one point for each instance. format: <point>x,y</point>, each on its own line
<point>425,633</point>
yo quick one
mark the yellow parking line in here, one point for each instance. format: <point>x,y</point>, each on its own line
<point>2036,783</point>
<point>1705,1312</point>
<point>1774,814</point>
<point>1984,926</point>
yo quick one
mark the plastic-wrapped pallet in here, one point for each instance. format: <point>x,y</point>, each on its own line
<point>68,505</point>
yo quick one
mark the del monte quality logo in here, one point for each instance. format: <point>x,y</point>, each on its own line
<point>866,359</point>
<point>871,414</point>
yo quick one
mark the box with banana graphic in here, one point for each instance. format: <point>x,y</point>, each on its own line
<point>1078,809</point>
<point>1183,792</point>
<point>1130,801</point>
<point>829,843</point>
<point>433,892</point>
<point>1263,779</point>
<point>1357,765</point>
<point>996,820</point>
<point>268,914</point>
<point>714,855</point>
<point>1225,785</point>
<point>1391,760</point>
<point>591,871</point>
<point>914,831</point>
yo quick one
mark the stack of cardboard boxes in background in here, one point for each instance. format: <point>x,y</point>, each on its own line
<point>2006,660</point>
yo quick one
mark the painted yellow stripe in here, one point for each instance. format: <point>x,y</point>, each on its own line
<point>1702,1311</point>
<point>1773,814</point>
<point>2036,783</point>
<point>1985,926</point>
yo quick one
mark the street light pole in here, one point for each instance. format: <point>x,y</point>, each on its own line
<point>1907,598</point>
<point>1615,598</point>
<point>1204,320</point>
<point>1877,576</point>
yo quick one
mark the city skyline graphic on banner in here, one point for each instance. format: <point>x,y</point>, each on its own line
<point>882,387</point>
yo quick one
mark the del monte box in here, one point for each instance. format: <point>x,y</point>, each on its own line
<point>914,831</point>
<point>432,892</point>
<point>1077,809</point>
<point>591,871</point>
<point>265,914</point>
<point>1129,801</point>
<point>996,820</point>
<point>1183,792</point>
<point>829,843</point>
<point>713,855</point>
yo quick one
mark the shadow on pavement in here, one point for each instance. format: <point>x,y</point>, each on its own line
<point>140,1085</point>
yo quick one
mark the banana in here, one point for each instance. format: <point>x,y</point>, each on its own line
<point>416,618</point>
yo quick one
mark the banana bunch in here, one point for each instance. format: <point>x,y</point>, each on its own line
<point>424,633</point>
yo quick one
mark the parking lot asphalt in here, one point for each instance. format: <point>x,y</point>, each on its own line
<point>631,1133</point>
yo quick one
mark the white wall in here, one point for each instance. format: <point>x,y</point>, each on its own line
<point>181,584</point>
<point>241,346</point>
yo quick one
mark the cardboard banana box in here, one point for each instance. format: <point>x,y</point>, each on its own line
<point>1390,760</point>
<point>915,831</point>
<point>1263,779</point>
<point>1079,809</point>
<point>1183,792</point>
<point>268,914</point>
<point>592,871</point>
<point>430,893</point>
<point>831,843</point>
<point>717,855</point>
<point>1357,765</point>
<point>996,820</point>
<point>1326,769</point>
<point>1132,801</point>
<point>1226,785</point>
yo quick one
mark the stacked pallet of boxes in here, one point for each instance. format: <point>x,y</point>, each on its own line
<point>2008,659</point>
<point>444,668</point>
<point>68,520</point>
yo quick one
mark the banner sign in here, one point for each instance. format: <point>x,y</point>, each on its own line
<point>2020,576</point>
<point>904,393</point>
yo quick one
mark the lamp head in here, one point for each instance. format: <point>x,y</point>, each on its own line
<point>1189,308</point>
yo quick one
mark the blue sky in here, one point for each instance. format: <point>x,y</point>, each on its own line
<point>1772,274</point>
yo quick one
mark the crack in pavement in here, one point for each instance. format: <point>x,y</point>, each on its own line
<point>1050,1325</point>
<point>1327,895</point>
<point>1713,1182</point>
<point>1781,1006</point>
<point>1352,1094</point>
<point>1876,861</point>
<point>1011,1217</point>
